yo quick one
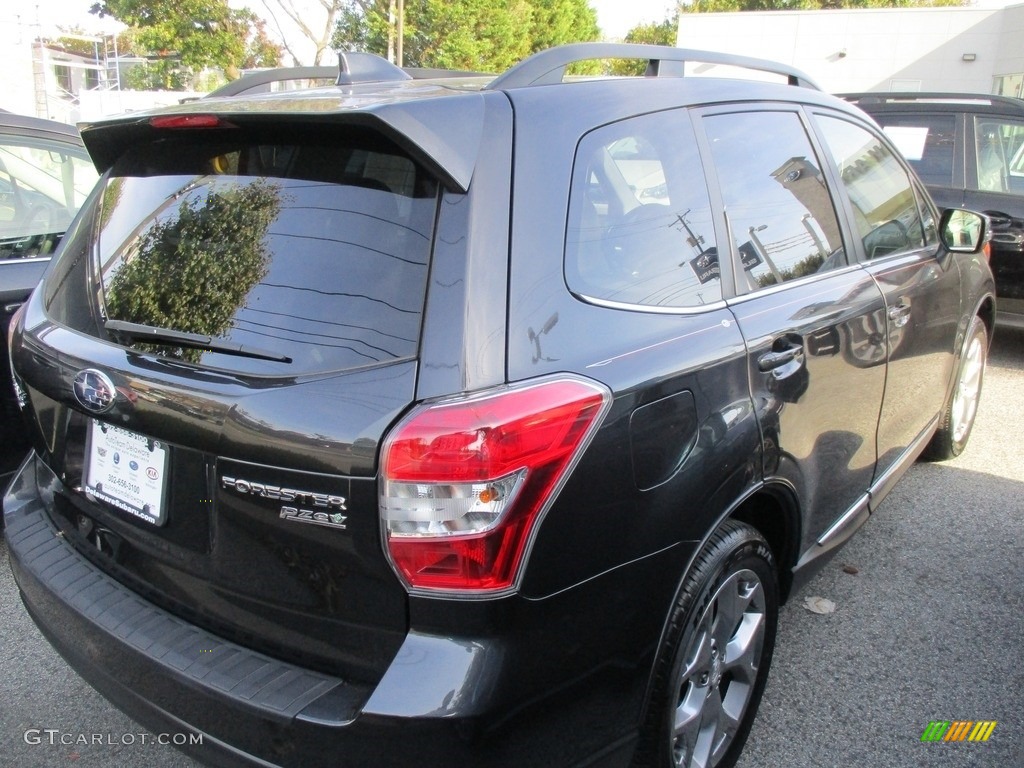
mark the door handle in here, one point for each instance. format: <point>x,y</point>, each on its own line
<point>777,358</point>
<point>899,314</point>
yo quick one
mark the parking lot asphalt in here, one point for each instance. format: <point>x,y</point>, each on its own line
<point>931,625</point>
<point>928,626</point>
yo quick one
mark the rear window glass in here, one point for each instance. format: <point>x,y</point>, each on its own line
<point>310,254</point>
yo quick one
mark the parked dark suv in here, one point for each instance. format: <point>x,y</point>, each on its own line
<point>968,149</point>
<point>478,423</point>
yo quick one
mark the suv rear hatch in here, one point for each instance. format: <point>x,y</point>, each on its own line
<point>211,364</point>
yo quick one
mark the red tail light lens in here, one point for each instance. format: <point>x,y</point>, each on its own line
<point>464,482</point>
<point>188,121</point>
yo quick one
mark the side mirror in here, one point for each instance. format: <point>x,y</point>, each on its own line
<point>963,231</point>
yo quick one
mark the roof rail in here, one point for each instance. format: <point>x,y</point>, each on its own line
<point>548,67</point>
<point>950,97</point>
<point>356,67</point>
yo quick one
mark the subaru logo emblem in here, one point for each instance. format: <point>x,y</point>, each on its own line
<point>94,390</point>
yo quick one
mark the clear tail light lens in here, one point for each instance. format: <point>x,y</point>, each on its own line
<point>464,482</point>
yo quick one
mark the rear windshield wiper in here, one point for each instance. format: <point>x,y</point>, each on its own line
<point>168,336</point>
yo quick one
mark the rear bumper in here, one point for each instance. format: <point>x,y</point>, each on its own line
<point>239,707</point>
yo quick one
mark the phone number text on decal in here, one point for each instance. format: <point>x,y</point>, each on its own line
<point>120,482</point>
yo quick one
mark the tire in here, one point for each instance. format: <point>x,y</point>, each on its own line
<point>715,654</point>
<point>957,421</point>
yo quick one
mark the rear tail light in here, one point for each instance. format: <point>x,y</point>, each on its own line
<point>464,482</point>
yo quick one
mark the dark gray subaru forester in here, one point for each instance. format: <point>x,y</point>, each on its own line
<point>479,423</point>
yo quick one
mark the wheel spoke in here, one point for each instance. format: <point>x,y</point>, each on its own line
<point>688,722</point>
<point>731,604</point>
<point>965,399</point>
<point>718,671</point>
<point>743,652</point>
<point>709,733</point>
<point>698,657</point>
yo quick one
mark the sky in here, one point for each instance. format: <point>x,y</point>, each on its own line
<point>615,17</point>
<point>48,15</point>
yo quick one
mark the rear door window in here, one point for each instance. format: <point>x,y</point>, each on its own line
<point>781,214</point>
<point>313,253</point>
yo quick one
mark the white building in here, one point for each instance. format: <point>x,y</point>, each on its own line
<point>893,49</point>
<point>43,80</point>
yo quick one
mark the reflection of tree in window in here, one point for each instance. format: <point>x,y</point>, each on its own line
<point>111,199</point>
<point>193,270</point>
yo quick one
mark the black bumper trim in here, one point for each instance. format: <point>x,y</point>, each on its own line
<point>277,690</point>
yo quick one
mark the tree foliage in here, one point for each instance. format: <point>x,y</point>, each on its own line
<point>184,37</point>
<point>477,35</point>
<point>556,22</point>
<point>192,271</point>
<point>663,33</point>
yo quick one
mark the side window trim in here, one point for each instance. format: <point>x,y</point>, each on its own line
<point>723,232</point>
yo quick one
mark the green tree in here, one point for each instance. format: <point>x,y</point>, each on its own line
<point>663,33</point>
<point>471,34</point>
<point>187,36</point>
<point>480,35</point>
<point>557,22</point>
<point>156,74</point>
<point>193,270</point>
<point>260,50</point>
<point>655,34</point>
